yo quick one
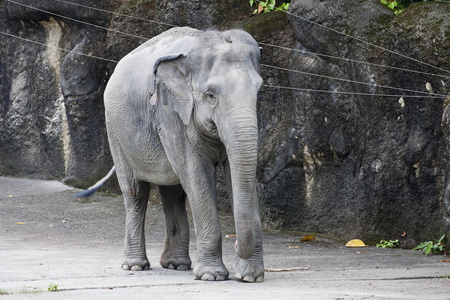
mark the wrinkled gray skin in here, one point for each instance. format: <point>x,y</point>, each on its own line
<point>176,107</point>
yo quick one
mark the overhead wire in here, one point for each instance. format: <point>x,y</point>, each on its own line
<point>301,51</point>
<point>142,37</point>
<point>436,96</point>
<point>286,48</point>
<point>264,44</point>
<point>348,80</point>
<point>76,20</point>
<point>366,42</point>
<point>263,65</point>
<point>117,14</point>
<point>59,48</point>
<point>270,86</point>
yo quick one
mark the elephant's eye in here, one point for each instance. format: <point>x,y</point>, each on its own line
<point>210,97</point>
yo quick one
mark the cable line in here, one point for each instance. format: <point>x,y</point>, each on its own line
<point>263,65</point>
<point>368,43</point>
<point>55,47</point>
<point>117,14</point>
<point>265,85</point>
<point>355,61</point>
<point>302,18</point>
<point>348,80</point>
<point>433,95</point>
<point>79,21</point>
<point>350,93</point>
<point>264,44</point>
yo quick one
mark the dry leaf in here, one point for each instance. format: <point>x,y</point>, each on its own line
<point>445,260</point>
<point>65,221</point>
<point>260,9</point>
<point>230,235</point>
<point>294,247</point>
<point>307,238</point>
<point>20,223</point>
<point>403,234</point>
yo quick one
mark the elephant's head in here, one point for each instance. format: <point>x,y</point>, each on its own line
<point>212,82</point>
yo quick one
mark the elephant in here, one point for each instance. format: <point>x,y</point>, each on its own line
<point>176,107</point>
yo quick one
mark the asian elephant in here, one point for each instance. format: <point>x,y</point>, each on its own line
<point>176,107</point>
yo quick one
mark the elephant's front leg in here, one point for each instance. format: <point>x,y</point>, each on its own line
<point>200,185</point>
<point>136,198</point>
<point>252,269</point>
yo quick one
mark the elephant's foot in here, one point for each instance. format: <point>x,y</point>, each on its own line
<point>210,272</point>
<point>175,263</point>
<point>249,270</point>
<point>136,264</point>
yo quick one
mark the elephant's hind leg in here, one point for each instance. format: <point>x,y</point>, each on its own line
<point>136,198</point>
<point>176,250</point>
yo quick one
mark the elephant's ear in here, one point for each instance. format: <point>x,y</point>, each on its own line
<point>173,86</point>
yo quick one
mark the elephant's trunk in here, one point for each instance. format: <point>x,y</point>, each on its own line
<point>239,133</point>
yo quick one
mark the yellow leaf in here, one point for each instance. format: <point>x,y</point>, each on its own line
<point>356,243</point>
<point>20,223</point>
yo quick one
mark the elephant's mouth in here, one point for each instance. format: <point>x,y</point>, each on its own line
<point>213,128</point>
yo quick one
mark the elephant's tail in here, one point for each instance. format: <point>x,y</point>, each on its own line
<point>91,190</point>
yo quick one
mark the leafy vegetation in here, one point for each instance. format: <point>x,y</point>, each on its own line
<point>53,287</point>
<point>436,247</point>
<point>387,244</point>
<point>399,5</point>
<point>268,6</point>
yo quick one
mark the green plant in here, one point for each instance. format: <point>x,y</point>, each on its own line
<point>436,247</point>
<point>387,244</point>
<point>396,6</point>
<point>53,287</point>
<point>268,6</point>
<point>399,5</point>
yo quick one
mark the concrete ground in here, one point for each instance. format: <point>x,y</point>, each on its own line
<point>49,238</point>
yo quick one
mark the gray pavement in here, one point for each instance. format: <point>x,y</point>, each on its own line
<point>49,237</point>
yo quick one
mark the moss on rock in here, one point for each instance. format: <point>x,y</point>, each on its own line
<point>263,25</point>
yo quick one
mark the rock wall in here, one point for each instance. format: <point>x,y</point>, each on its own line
<point>51,112</point>
<point>349,165</point>
<point>359,165</point>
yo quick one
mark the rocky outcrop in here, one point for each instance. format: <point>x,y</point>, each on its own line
<point>51,113</point>
<point>352,164</point>
<point>358,164</point>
